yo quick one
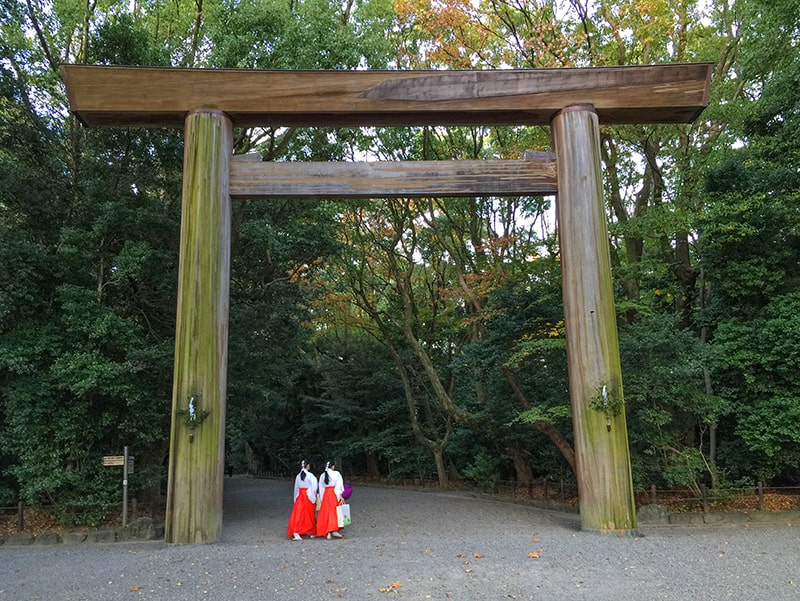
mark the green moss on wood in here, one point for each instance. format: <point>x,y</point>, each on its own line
<point>601,437</point>
<point>194,495</point>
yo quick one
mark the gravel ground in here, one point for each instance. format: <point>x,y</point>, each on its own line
<point>415,545</point>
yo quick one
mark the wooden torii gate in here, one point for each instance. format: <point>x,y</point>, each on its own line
<point>209,103</point>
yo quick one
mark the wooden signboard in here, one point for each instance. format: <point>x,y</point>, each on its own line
<point>118,460</point>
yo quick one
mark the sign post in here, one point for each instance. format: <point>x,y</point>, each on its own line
<point>126,461</point>
<point>125,487</point>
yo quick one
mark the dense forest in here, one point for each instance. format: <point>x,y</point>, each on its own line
<point>411,338</point>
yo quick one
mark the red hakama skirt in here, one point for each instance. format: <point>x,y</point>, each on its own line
<point>302,518</point>
<point>327,520</point>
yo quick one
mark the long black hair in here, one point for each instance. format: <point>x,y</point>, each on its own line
<point>327,467</point>
<point>303,466</point>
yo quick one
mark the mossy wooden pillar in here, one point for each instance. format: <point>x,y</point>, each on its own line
<point>595,380</point>
<point>197,443</point>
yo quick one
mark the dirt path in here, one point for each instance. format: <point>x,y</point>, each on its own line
<point>414,545</point>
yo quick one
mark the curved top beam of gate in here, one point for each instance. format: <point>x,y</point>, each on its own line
<point>161,97</point>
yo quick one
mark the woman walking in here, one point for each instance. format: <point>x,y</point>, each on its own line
<point>302,521</point>
<point>331,487</point>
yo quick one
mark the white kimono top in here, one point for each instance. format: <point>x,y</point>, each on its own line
<point>309,484</point>
<point>337,483</point>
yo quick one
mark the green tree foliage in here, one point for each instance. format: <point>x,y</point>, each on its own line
<point>411,337</point>
<point>750,251</point>
<point>90,226</point>
<point>362,406</point>
<point>521,358</point>
<point>670,411</point>
<point>90,232</point>
<point>306,34</point>
<point>276,255</point>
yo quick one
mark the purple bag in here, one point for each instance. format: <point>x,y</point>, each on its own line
<point>348,490</point>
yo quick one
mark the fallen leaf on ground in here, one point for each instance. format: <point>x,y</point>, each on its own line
<point>536,539</point>
<point>477,556</point>
<point>134,588</point>
<point>533,554</point>
<point>391,587</point>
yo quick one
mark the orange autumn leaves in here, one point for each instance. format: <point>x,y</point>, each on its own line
<point>535,554</point>
<point>392,587</point>
<point>450,25</point>
<point>462,34</point>
<point>467,561</point>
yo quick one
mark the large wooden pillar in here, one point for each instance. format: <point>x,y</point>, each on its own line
<point>595,380</point>
<point>197,443</point>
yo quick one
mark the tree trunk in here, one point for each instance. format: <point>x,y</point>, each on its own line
<point>546,428</point>
<point>634,244</point>
<point>521,466</point>
<point>686,277</point>
<point>441,468</point>
<point>373,467</point>
<point>435,447</point>
<point>709,389</point>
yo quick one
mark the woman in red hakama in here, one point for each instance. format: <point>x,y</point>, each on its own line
<point>301,521</point>
<point>331,487</point>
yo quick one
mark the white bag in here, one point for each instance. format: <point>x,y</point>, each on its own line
<point>343,515</point>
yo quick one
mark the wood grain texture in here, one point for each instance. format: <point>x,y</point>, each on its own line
<point>602,456</point>
<point>250,179</point>
<point>161,97</point>
<point>196,467</point>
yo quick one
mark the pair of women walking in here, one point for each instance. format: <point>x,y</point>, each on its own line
<point>307,489</point>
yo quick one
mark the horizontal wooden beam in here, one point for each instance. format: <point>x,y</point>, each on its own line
<point>161,97</point>
<point>256,179</point>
